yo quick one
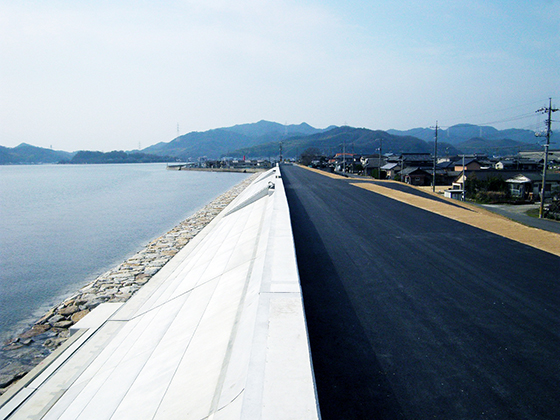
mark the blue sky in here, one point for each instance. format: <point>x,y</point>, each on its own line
<point>105,75</point>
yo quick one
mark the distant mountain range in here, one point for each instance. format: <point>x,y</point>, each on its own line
<point>228,141</point>
<point>262,139</point>
<point>459,133</point>
<point>471,139</point>
<point>339,139</point>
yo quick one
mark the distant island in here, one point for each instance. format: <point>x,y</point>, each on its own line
<point>28,154</point>
<point>117,156</point>
<point>25,154</point>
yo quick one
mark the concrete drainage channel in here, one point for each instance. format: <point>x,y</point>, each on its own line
<point>218,332</point>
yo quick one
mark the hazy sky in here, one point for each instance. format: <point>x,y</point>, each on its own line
<point>105,75</point>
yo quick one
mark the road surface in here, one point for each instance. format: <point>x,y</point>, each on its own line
<point>412,315</point>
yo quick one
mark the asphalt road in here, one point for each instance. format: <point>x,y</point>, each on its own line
<point>415,316</point>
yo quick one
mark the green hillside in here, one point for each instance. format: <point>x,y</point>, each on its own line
<point>225,141</point>
<point>349,139</point>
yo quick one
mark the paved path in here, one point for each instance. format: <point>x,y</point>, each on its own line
<point>519,214</point>
<point>413,315</point>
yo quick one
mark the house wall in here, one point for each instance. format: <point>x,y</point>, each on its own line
<point>417,180</point>
<point>473,166</point>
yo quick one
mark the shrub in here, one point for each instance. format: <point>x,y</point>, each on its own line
<point>491,197</point>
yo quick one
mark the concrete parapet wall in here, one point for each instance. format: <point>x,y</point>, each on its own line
<point>218,333</point>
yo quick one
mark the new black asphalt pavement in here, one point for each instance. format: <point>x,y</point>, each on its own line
<point>412,315</point>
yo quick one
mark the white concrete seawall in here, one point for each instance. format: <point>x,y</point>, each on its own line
<point>218,333</point>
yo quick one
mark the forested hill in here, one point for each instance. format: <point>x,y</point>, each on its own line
<point>226,141</point>
<point>348,139</point>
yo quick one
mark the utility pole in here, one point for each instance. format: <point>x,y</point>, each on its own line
<point>548,111</point>
<point>464,181</point>
<point>435,161</point>
<point>344,157</point>
<point>380,154</point>
<point>280,152</point>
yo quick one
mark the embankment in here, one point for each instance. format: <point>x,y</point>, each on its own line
<point>20,355</point>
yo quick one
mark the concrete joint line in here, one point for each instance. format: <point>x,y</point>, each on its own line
<point>255,197</point>
<point>184,293</point>
<point>223,371</point>
<point>211,416</point>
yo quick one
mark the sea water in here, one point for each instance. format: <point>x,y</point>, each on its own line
<point>63,225</point>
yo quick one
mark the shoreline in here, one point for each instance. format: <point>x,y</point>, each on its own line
<point>180,167</point>
<point>20,354</point>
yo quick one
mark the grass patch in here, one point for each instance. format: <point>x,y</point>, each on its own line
<point>533,212</point>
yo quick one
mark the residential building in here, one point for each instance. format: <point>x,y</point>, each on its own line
<point>416,176</point>
<point>528,185</point>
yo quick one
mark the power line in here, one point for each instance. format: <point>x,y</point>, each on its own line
<point>469,117</point>
<point>516,118</point>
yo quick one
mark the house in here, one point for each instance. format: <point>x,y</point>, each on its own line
<point>372,163</point>
<point>471,164</point>
<point>505,164</point>
<point>445,172</point>
<point>528,185</point>
<point>482,175</point>
<point>553,155</point>
<point>345,162</point>
<point>396,163</point>
<point>416,176</point>
<point>391,169</point>
<point>526,164</point>
<point>418,160</point>
<point>518,164</point>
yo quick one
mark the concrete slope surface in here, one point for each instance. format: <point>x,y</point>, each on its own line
<point>414,315</point>
<point>218,333</point>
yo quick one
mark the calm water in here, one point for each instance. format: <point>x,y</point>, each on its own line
<point>62,225</point>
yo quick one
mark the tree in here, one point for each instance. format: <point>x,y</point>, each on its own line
<point>491,190</point>
<point>309,155</point>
